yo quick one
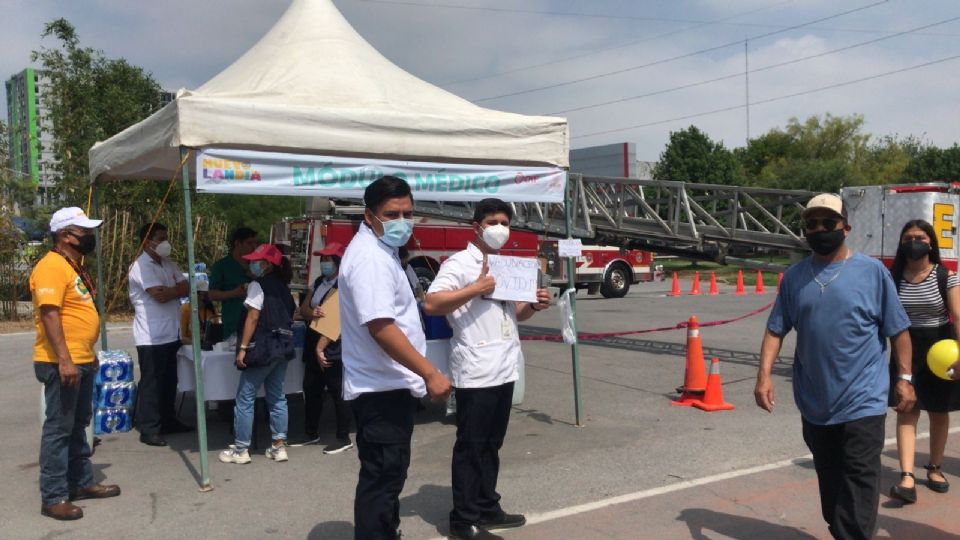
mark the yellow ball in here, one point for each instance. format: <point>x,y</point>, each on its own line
<point>941,356</point>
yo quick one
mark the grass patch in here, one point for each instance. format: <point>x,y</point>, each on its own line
<point>725,273</point>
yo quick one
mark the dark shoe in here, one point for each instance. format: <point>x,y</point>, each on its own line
<point>472,532</point>
<point>179,427</point>
<point>306,439</point>
<point>939,487</point>
<point>503,521</point>
<point>906,495</point>
<point>152,440</point>
<point>63,511</point>
<point>343,444</point>
<point>98,491</point>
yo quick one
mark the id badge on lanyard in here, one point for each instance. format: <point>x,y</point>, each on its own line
<point>506,325</point>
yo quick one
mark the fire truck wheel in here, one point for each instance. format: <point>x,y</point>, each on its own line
<point>425,275</point>
<point>616,281</point>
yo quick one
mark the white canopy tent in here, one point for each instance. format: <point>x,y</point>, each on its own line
<point>313,91</point>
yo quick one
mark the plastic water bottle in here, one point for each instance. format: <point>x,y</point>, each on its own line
<point>112,420</point>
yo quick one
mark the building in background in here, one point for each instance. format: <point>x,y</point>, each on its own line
<point>30,134</point>
<point>617,160</point>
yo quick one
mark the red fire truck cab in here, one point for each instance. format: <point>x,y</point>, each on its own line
<point>604,269</point>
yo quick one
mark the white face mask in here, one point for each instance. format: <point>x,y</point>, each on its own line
<point>163,249</point>
<point>495,236</point>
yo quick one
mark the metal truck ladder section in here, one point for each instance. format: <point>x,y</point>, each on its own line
<point>705,220</point>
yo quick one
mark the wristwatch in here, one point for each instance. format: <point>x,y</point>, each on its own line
<point>908,378</point>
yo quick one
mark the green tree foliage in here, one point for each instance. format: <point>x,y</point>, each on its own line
<point>932,164</point>
<point>823,154</point>
<point>691,156</point>
<point>259,212</point>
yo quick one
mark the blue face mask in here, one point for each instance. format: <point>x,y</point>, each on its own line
<point>327,268</point>
<point>396,232</point>
<point>256,268</point>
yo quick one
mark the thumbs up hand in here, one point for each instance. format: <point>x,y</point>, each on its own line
<point>485,284</point>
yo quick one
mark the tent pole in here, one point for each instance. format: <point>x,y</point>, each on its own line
<point>195,327</point>
<point>572,286</point>
<point>101,290</point>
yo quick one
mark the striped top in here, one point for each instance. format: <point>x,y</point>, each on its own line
<point>922,301</point>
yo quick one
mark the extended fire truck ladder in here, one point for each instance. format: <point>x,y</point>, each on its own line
<point>706,221</point>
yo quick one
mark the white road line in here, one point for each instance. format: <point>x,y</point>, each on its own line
<point>533,519</point>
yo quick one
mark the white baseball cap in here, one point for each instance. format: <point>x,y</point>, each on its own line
<point>825,201</point>
<point>72,215</point>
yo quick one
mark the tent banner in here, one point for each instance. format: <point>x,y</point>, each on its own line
<point>271,173</point>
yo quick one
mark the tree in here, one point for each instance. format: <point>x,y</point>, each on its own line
<point>90,98</point>
<point>932,164</point>
<point>691,156</point>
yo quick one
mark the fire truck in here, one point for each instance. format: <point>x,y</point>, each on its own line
<point>878,213</point>
<point>604,269</point>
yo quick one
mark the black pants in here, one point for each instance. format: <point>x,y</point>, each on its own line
<point>384,428</point>
<point>847,459</point>
<point>482,418</point>
<point>157,390</point>
<point>315,381</point>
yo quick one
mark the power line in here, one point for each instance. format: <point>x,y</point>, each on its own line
<point>615,47</point>
<point>756,70</point>
<point>679,57</point>
<point>771,100</point>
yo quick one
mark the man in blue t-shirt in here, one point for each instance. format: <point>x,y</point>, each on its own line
<point>843,306</point>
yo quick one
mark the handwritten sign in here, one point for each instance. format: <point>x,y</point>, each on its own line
<point>570,247</point>
<point>516,277</point>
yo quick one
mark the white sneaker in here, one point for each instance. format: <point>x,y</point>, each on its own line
<point>232,455</point>
<point>277,453</point>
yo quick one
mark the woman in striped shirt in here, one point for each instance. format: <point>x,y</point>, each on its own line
<point>932,300</point>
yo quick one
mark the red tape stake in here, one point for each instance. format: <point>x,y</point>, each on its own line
<point>585,336</point>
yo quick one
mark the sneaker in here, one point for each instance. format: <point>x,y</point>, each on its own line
<point>342,445</point>
<point>277,453</point>
<point>234,455</point>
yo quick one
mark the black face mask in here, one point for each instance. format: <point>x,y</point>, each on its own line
<point>916,250</point>
<point>86,243</point>
<point>825,242</point>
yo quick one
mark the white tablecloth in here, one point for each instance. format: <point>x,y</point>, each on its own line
<point>221,377</point>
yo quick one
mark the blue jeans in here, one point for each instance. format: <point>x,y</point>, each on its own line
<point>271,377</point>
<point>64,452</point>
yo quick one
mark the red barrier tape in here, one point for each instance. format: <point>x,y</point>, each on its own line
<point>594,336</point>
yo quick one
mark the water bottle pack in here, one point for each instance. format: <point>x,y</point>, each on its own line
<point>115,366</point>
<point>114,393</point>
<point>112,420</point>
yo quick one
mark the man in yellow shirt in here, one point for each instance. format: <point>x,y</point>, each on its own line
<point>67,329</point>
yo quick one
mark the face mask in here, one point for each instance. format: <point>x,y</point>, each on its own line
<point>327,268</point>
<point>916,250</point>
<point>495,236</point>
<point>86,243</point>
<point>825,242</point>
<point>256,268</point>
<point>163,249</point>
<point>396,232</point>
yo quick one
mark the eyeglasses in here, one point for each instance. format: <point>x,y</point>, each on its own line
<point>827,223</point>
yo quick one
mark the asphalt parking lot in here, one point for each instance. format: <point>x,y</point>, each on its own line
<point>636,468</point>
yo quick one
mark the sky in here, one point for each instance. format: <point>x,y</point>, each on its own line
<point>618,70</point>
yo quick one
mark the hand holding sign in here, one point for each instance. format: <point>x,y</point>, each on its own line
<point>486,283</point>
<point>515,278</point>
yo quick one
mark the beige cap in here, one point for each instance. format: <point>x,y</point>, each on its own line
<point>826,201</point>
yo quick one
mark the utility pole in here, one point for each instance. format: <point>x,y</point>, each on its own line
<point>746,81</point>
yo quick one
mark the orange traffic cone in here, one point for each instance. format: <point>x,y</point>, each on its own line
<point>695,290</point>
<point>713,284</point>
<point>713,397</point>
<point>675,290</point>
<point>740,289</point>
<point>759,289</point>
<point>695,376</point>
<point>779,280</point>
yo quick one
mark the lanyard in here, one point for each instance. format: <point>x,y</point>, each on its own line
<point>87,282</point>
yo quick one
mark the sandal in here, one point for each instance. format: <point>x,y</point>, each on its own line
<point>907,495</point>
<point>939,487</point>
